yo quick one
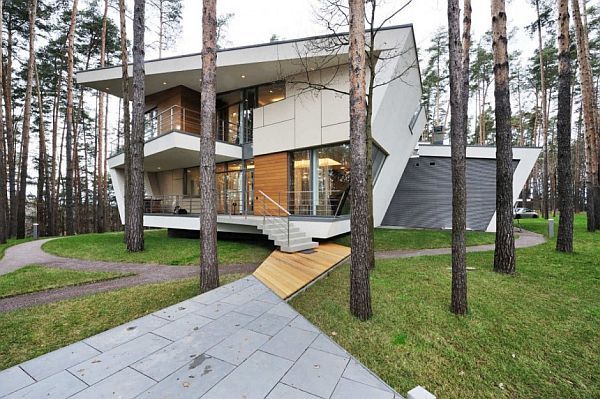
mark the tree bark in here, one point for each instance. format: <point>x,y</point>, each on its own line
<point>10,133</point>
<point>360,291</point>
<point>209,271</point>
<point>458,99</point>
<point>591,150</point>
<point>3,155</point>
<point>504,253</point>
<point>544,114</point>
<point>564,241</point>
<point>43,195</point>
<point>22,196</point>
<point>69,205</point>
<point>126,113</point>
<point>100,183</point>
<point>135,214</point>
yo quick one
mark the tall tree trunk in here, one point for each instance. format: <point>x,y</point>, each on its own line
<point>42,183</point>
<point>209,271</point>
<point>591,149</point>
<point>544,113</point>
<point>100,184</point>
<point>3,155</point>
<point>53,214</point>
<point>459,96</point>
<point>126,114</point>
<point>360,291</point>
<point>22,197</point>
<point>69,203</point>
<point>135,216</point>
<point>504,253</point>
<point>10,130</point>
<point>564,241</point>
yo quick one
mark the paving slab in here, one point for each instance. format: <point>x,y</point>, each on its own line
<point>124,384</point>
<point>268,323</point>
<point>58,386</point>
<point>240,342</point>
<point>290,343</point>
<point>99,367</point>
<point>55,362</point>
<point>239,346</point>
<point>253,379</point>
<point>13,379</point>
<point>124,333</point>
<point>282,391</point>
<point>348,389</point>
<point>182,327</point>
<point>316,372</point>
<point>191,381</point>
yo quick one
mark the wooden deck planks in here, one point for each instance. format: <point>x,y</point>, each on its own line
<point>287,273</point>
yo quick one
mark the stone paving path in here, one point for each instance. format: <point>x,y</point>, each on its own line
<point>238,341</point>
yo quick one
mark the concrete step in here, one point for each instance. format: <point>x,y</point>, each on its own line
<point>299,247</point>
<point>278,236</point>
<point>294,241</point>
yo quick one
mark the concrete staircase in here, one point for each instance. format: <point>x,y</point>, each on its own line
<point>276,228</point>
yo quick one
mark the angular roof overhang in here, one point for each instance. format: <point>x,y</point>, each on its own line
<point>238,67</point>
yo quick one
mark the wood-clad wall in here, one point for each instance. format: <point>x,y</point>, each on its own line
<point>182,97</point>
<point>271,176</point>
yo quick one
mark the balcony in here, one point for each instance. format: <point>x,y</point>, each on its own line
<point>183,120</point>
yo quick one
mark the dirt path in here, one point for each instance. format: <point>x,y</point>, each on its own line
<point>31,253</point>
<point>525,239</point>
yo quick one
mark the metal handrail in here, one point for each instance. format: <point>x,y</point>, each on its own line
<point>231,202</point>
<point>274,202</point>
<point>282,221</point>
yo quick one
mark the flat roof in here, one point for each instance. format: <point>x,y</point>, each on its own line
<point>240,66</point>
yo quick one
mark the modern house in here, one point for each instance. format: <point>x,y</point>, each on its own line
<point>282,148</point>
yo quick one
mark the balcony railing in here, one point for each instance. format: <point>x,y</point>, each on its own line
<point>228,203</point>
<point>329,204</point>
<point>181,119</point>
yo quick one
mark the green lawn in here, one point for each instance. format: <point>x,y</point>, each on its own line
<point>159,248</point>
<point>395,239</point>
<point>35,278</point>
<point>31,332</point>
<point>10,243</point>
<point>532,335</point>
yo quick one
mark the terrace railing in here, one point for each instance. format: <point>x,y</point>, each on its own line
<point>230,202</point>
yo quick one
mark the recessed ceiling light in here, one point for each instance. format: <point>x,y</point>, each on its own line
<point>270,91</point>
<point>164,83</point>
<point>158,168</point>
<point>243,76</point>
<point>108,88</point>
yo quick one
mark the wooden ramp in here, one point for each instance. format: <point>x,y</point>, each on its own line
<point>287,273</point>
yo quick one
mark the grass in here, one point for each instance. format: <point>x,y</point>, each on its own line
<point>532,335</point>
<point>34,278</point>
<point>159,249</point>
<point>31,332</point>
<point>10,242</point>
<point>398,239</point>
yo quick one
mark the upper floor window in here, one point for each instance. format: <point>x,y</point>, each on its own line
<point>271,93</point>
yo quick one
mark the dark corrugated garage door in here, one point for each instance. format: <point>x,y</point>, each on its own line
<point>423,197</point>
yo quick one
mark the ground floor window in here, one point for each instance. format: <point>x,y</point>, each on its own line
<point>320,179</point>
<point>235,186</point>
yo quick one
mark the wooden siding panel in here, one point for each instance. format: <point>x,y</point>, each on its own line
<point>271,177</point>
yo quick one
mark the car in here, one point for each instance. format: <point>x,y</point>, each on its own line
<point>525,213</point>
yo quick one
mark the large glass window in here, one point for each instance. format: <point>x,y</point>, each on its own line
<point>320,179</point>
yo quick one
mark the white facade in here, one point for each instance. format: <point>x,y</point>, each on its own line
<point>306,118</point>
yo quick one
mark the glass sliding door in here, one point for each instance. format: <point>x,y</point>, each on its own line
<point>333,178</point>
<point>319,180</point>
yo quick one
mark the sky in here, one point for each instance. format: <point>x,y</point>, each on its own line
<point>255,21</point>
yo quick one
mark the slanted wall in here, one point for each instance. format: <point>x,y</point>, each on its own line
<point>423,198</point>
